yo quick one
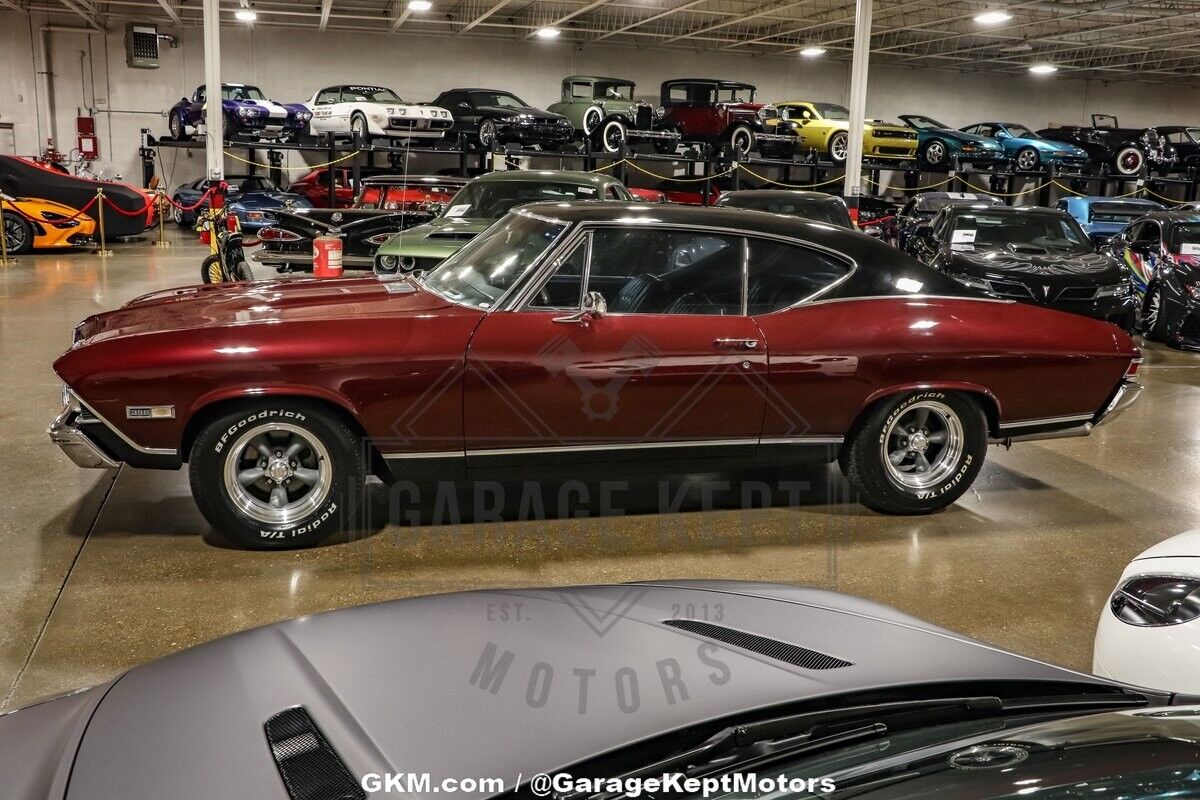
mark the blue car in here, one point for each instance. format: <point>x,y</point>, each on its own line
<point>249,114</point>
<point>1026,149</point>
<point>938,144</point>
<point>1104,217</point>
<point>251,199</point>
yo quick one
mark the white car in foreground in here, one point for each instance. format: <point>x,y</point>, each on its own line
<point>1149,632</point>
<point>371,111</point>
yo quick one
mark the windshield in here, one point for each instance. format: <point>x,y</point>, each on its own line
<point>832,111</point>
<point>735,94</point>
<point>486,267</point>
<point>1116,212</point>
<point>831,212</point>
<point>494,199</point>
<point>1141,754</point>
<point>499,99</point>
<point>257,185</point>
<point>613,91</point>
<point>935,203</point>
<point>1020,132</point>
<point>242,93</point>
<point>369,94</point>
<point>924,123</point>
<point>1019,233</point>
<point>1185,239</point>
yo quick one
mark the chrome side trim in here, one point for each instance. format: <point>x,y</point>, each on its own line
<point>905,297</point>
<point>429,454</point>
<point>1031,423</point>
<point>586,448</point>
<point>150,451</point>
<point>816,440</point>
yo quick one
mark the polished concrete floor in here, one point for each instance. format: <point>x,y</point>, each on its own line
<point>102,571</point>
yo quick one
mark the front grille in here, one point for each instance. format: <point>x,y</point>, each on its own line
<point>1077,293</point>
<point>1007,289</point>
<point>771,648</point>
<point>892,151</point>
<point>644,117</point>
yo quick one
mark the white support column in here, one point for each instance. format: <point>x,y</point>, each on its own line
<point>852,187</point>
<point>214,118</point>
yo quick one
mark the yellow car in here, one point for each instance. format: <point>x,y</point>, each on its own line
<point>825,127</point>
<point>30,223</point>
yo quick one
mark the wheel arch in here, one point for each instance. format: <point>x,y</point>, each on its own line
<point>981,395</point>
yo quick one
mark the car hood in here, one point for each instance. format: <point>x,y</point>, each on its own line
<point>508,111</point>
<point>1007,262</point>
<point>1052,146</point>
<point>496,683</point>
<point>236,304</point>
<point>1184,545</point>
<point>440,237</point>
<point>268,200</point>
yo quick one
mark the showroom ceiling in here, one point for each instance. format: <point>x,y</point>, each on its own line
<point>1156,39</point>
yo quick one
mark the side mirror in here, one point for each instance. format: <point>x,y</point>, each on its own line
<point>593,307</point>
<point>873,231</point>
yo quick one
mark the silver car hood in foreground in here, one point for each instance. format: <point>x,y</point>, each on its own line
<point>483,684</point>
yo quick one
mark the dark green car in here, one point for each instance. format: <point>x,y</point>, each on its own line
<point>480,203</point>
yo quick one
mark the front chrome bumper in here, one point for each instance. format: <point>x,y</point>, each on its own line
<point>64,433</point>
<point>1126,395</point>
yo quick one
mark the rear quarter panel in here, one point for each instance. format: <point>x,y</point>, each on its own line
<point>829,360</point>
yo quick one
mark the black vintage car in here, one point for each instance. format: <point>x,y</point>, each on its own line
<point>1125,150</point>
<point>1163,253</point>
<point>493,116</point>
<point>385,205</point>
<point>1186,141</point>
<point>920,208</point>
<point>1032,255</point>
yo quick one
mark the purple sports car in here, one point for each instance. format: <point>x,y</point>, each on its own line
<point>248,114</point>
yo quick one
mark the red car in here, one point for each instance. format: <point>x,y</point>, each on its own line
<point>658,337</point>
<point>315,187</point>
<point>724,112</point>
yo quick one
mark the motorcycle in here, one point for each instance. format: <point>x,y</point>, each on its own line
<point>226,262</point>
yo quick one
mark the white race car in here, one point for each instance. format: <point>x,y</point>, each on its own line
<point>1149,633</point>
<point>375,111</point>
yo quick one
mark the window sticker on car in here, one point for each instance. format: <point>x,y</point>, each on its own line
<point>1189,249</point>
<point>961,247</point>
<point>586,190</point>
<point>458,211</point>
<point>962,237</point>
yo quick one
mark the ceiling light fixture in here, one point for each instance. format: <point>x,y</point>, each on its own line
<point>1043,69</point>
<point>547,33</point>
<point>812,51</point>
<point>246,14</point>
<point>419,5</point>
<point>992,17</point>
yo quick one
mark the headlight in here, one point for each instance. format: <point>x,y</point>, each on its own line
<point>388,263</point>
<point>304,116</point>
<point>1193,289</point>
<point>515,118</point>
<point>50,216</point>
<point>1157,600</point>
<point>1121,289</point>
<point>660,112</point>
<point>408,263</point>
<point>249,111</point>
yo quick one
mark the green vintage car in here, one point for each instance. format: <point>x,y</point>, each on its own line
<point>480,203</point>
<point>605,111</point>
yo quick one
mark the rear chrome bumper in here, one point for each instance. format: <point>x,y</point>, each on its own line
<point>1126,395</point>
<point>71,441</point>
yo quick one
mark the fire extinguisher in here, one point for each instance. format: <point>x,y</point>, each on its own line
<point>327,257</point>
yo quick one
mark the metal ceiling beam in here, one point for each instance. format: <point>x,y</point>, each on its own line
<point>564,18</point>
<point>13,6</point>
<point>326,7</point>
<point>665,13</point>
<point>92,21</point>
<point>762,11</point>
<point>492,10</point>
<point>171,12</point>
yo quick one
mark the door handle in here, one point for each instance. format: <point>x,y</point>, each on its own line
<point>737,344</point>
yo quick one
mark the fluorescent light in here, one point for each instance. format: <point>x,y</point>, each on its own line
<point>993,17</point>
<point>1043,69</point>
<point>547,33</point>
<point>246,14</point>
<point>812,51</point>
<point>419,5</point>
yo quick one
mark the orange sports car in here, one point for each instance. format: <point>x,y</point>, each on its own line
<point>30,222</point>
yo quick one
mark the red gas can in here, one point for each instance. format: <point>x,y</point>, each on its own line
<point>327,257</point>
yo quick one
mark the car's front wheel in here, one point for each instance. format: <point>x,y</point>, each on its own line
<point>839,147</point>
<point>741,140</point>
<point>178,129</point>
<point>612,137</point>
<point>916,453</point>
<point>18,234</point>
<point>1027,159</point>
<point>934,154</point>
<point>487,134</point>
<point>359,129</point>
<point>277,475</point>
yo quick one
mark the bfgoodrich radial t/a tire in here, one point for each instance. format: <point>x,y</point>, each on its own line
<point>277,475</point>
<point>916,453</point>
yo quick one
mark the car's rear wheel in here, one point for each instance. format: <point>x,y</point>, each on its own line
<point>916,453</point>
<point>277,475</point>
<point>934,154</point>
<point>1027,159</point>
<point>177,215</point>
<point>18,234</point>
<point>178,129</point>
<point>612,137</point>
<point>1129,160</point>
<point>1154,314</point>
<point>839,147</point>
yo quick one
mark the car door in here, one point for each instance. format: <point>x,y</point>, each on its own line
<point>466,118</point>
<point>1142,250</point>
<point>672,363</point>
<point>323,109</point>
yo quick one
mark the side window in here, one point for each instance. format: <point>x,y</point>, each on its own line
<point>782,275</point>
<point>677,95</point>
<point>328,97</point>
<point>1146,233</point>
<point>581,91</point>
<point>564,289</point>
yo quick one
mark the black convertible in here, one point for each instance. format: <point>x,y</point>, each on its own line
<point>491,116</point>
<point>1126,150</point>
<point>385,205</point>
<point>1032,255</point>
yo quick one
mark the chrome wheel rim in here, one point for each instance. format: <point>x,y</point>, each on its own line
<point>1027,160</point>
<point>614,135</point>
<point>486,134</point>
<point>176,215</point>
<point>277,473</point>
<point>935,153</point>
<point>1130,161</point>
<point>358,125</point>
<point>591,118</point>
<point>838,147</point>
<point>923,446</point>
<point>14,232</point>
<point>1153,308</point>
<point>741,141</point>
<point>176,126</point>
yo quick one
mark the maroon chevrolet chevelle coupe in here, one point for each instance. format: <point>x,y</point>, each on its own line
<point>659,337</point>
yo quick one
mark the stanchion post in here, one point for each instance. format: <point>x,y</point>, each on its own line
<point>5,261</point>
<point>160,199</point>
<point>103,252</point>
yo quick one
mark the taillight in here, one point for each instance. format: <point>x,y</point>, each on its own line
<point>379,238</point>
<point>277,235</point>
<point>1133,368</point>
